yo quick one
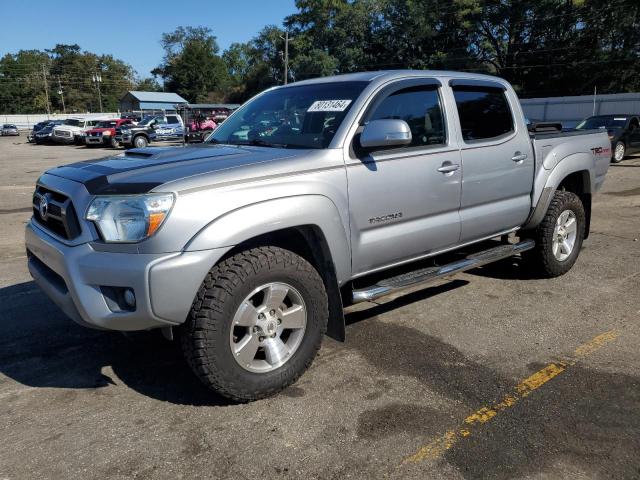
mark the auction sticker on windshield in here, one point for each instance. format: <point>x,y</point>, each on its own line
<point>329,106</point>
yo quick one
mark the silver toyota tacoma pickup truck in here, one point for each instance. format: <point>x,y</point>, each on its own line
<point>310,197</point>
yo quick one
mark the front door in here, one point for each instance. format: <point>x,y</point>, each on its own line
<point>497,162</point>
<point>634,135</point>
<point>403,203</point>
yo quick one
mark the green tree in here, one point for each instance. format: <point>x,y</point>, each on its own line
<point>148,84</point>
<point>192,66</point>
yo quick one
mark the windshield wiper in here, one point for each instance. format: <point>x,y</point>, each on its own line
<point>261,143</point>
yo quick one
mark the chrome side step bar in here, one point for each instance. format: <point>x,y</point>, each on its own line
<point>430,274</point>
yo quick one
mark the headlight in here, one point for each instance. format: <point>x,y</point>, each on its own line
<point>106,133</point>
<point>129,218</point>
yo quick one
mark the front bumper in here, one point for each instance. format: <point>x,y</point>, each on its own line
<point>125,139</point>
<point>96,140</point>
<point>64,140</point>
<point>74,277</point>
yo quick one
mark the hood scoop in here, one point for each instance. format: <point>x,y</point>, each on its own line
<point>138,155</point>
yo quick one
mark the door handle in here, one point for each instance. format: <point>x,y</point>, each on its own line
<point>518,157</point>
<point>449,168</point>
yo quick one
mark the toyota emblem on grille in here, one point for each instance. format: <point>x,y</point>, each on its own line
<point>43,207</point>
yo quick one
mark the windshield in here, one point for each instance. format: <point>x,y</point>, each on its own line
<point>305,116</point>
<point>602,122</point>
<point>72,122</point>
<point>108,124</point>
<point>147,120</point>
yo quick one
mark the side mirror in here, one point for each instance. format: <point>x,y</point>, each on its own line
<point>388,132</point>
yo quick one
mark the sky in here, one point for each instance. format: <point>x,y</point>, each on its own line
<point>130,30</point>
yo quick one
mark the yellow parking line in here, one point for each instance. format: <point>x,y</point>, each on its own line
<point>437,447</point>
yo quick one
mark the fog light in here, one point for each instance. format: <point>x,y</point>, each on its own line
<point>129,298</point>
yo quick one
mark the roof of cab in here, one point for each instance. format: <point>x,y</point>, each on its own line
<point>393,74</point>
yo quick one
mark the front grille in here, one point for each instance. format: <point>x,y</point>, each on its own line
<point>60,216</point>
<point>62,133</point>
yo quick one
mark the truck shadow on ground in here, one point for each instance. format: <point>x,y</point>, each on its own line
<point>582,423</point>
<point>41,347</point>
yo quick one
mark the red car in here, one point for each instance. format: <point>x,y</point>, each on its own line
<point>104,133</point>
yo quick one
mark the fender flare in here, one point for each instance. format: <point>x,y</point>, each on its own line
<point>264,217</point>
<point>253,220</point>
<point>577,162</point>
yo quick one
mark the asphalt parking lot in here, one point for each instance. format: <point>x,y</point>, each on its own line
<point>492,374</point>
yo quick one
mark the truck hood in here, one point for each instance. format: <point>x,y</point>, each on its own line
<point>141,170</point>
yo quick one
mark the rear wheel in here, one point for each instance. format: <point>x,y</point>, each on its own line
<point>559,236</point>
<point>256,323</point>
<point>619,152</point>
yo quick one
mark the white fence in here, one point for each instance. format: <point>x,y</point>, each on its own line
<point>26,122</point>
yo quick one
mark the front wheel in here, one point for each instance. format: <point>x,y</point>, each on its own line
<point>256,323</point>
<point>559,236</point>
<point>114,143</point>
<point>140,141</point>
<point>619,152</point>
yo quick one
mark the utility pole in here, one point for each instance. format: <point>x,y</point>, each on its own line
<point>46,89</point>
<point>97,79</point>
<point>61,93</point>
<point>286,55</point>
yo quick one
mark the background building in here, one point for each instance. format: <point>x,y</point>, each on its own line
<point>134,101</point>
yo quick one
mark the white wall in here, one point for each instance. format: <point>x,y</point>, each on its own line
<point>26,122</point>
<point>571,110</point>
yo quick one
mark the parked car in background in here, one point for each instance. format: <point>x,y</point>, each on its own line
<point>623,131</point>
<point>153,128</point>
<point>45,134</point>
<point>305,200</point>
<point>36,128</point>
<point>9,129</point>
<point>199,129</point>
<point>104,133</point>
<point>74,129</point>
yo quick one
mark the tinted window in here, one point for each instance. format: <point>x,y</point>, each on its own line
<point>107,124</point>
<point>607,121</point>
<point>484,112</point>
<point>172,119</point>
<point>420,108</point>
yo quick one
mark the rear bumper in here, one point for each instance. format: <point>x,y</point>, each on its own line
<point>74,277</point>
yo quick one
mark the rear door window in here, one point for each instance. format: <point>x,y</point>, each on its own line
<point>172,119</point>
<point>484,113</point>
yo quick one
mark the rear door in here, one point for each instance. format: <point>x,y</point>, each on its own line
<point>403,204</point>
<point>497,161</point>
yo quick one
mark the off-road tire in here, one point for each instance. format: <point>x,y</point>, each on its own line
<point>541,258</point>
<point>205,334</point>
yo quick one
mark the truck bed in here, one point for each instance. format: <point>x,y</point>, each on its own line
<point>552,148</point>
